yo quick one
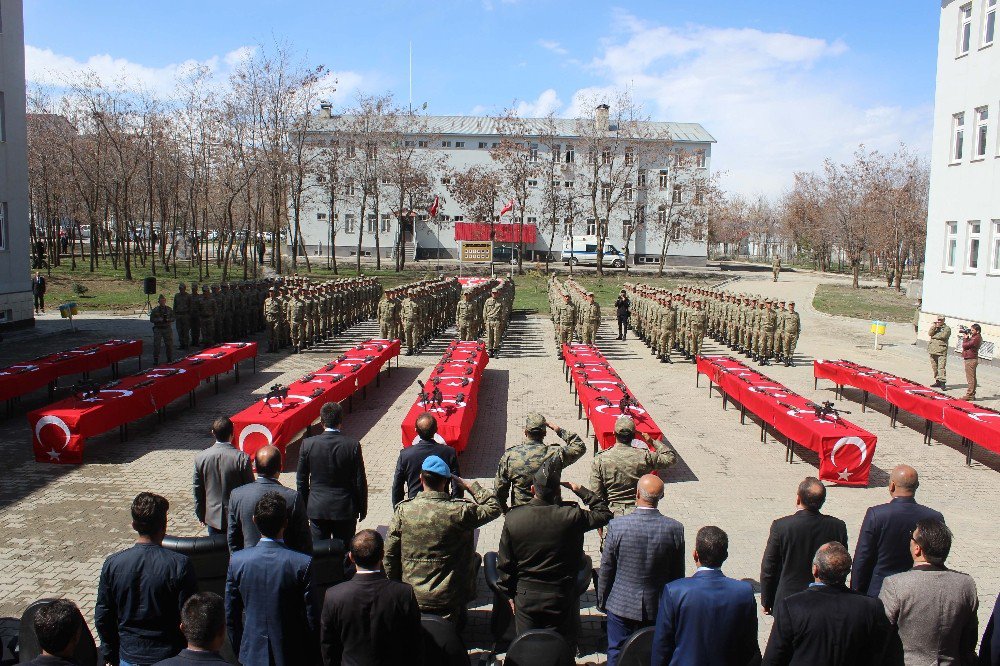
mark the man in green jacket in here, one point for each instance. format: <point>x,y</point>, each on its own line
<point>939,334</point>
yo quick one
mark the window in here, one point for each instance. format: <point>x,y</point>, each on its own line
<point>533,152</point>
<point>3,225</point>
<point>628,193</point>
<point>591,157</point>
<point>495,144</point>
<point>446,144</point>
<point>675,230</point>
<point>321,217</point>
<point>567,226</point>
<point>989,22</point>
<point>351,150</point>
<point>555,183</point>
<point>460,144</point>
<point>409,144</point>
<point>386,179</point>
<point>421,144</point>
<point>641,178</point>
<point>482,145</point>
<point>604,228</point>
<point>701,159</point>
<point>982,118</point>
<point>570,154</point>
<point>676,194</point>
<point>386,223</point>
<point>349,187</point>
<point>591,226</point>
<point>661,215</point>
<point>605,192</point>
<point>349,220</point>
<point>964,29</point>
<point>459,218</point>
<point>972,249</point>
<point>994,253</point>
<point>629,155</point>
<point>532,182</point>
<point>532,220</point>
<point>569,184</point>
<point>372,224</point>
<point>699,195</point>
<point>958,122</point>
<point>627,228</point>
<point>950,245</point>
<point>556,153</point>
<point>698,231</point>
<point>663,179</point>
<point>606,156</point>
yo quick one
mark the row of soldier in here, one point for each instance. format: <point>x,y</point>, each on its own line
<point>574,311</point>
<point>485,309</point>
<point>414,313</point>
<point>301,313</point>
<point>762,328</point>
<point>667,321</point>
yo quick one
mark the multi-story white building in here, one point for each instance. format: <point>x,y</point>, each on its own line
<point>16,305</point>
<point>684,158</point>
<point>962,266</point>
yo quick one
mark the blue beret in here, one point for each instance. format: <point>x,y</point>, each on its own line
<point>435,465</point>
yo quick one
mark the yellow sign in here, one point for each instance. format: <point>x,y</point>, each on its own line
<point>878,327</point>
<point>477,252</point>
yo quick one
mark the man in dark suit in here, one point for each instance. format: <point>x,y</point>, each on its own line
<point>884,542</point>
<point>203,622</point>
<point>828,623</point>
<point>331,479</point>
<point>793,542</point>
<point>142,590</point>
<point>989,651</point>
<point>58,627</point>
<point>370,619</point>
<point>541,549</point>
<point>218,471</point>
<point>411,461</point>
<point>707,618</point>
<point>268,607</point>
<point>242,531</point>
<point>643,551</point>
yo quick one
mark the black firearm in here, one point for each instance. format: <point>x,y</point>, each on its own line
<point>827,411</point>
<point>277,392</point>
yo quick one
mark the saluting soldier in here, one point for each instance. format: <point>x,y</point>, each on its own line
<point>182,314</point>
<point>616,471</point>
<point>162,317</point>
<point>518,464</point>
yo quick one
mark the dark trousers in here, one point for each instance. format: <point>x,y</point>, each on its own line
<point>39,302</point>
<point>622,327</point>
<point>619,629</point>
<point>333,529</point>
<point>557,609</point>
<point>212,531</point>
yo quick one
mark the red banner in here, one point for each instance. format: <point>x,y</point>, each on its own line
<point>500,232</point>
<point>59,430</point>
<point>604,396</point>
<point>22,378</point>
<point>281,423</point>
<point>845,450</point>
<point>457,376</point>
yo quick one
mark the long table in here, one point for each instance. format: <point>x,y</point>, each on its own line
<point>282,422</point>
<point>22,378</point>
<point>457,376</point>
<point>845,450</point>
<point>974,423</point>
<point>602,396</point>
<point>60,430</point>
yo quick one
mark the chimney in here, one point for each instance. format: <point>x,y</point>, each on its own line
<point>325,109</point>
<point>601,121</point>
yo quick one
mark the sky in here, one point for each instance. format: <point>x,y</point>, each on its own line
<point>781,85</point>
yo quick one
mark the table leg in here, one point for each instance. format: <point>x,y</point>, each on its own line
<point>216,378</point>
<point>255,365</point>
<point>763,432</point>
<point>364,391</point>
<point>350,404</point>
<point>928,431</point>
<point>52,390</point>
<point>815,383</point>
<point>725,400</point>
<point>579,410</point>
<point>236,372</point>
<point>743,415</point>
<point>123,432</point>
<point>191,399</point>
<point>377,375</point>
<point>864,402</point>
<point>697,379</point>
<point>595,445</point>
<point>967,443</point>
<point>588,428</point>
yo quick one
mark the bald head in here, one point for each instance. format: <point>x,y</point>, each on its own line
<point>903,481</point>
<point>649,491</point>
<point>268,461</point>
<point>426,426</point>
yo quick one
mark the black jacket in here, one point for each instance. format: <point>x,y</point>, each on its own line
<point>408,469</point>
<point>622,307</point>
<point>243,533</point>
<point>139,599</point>
<point>371,621</point>
<point>827,625</point>
<point>331,477</point>
<point>791,546</point>
<point>48,660</point>
<point>193,658</point>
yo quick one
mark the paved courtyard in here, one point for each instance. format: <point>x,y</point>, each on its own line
<point>61,522</point>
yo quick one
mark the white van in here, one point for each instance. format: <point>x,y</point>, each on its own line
<point>583,250</point>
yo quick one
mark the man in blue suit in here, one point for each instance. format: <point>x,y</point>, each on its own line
<point>707,618</point>
<point>884,543</point>
<point>643,551</point>
<point>271,583</point>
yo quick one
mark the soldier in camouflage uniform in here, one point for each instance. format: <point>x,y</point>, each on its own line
<point>465,316</point>
<point>617,470</point>
<point>272,314</point>
<point>492,314</point>
<point>667,330</point>
<point>182,315</point>
<point>519,463</point>
<point>195,317</point>
<point>206,315</point>
<point>565,321</point>
<point>790,333</point>
<point>385,312</point>
<point>430,544</point>
<point>296,315</point>
<point>590,315</point>
<point>408,314</point>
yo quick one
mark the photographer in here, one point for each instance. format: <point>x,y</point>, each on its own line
<point>939,335</point>
<point>622,306</point>
<point>972,340</point>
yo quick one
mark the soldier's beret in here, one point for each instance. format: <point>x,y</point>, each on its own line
<point>435,465</point>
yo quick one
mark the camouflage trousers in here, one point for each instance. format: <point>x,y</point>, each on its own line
<point>493,332</point>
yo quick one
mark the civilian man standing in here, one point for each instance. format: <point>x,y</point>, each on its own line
<point>707,618</point>
<point>989,651</point>
<point>218,471</point>
<point>331,479</point>
<point>243,533</point>
<point>411,461</point>
<point>38,291</point>
<point>203,622</point>
<point>971,343</point>
<point>643,551</point>
<point>884,542</point>
<point>141,592</point>
<point>793,542</point>
<point>622,311</point>
<point>58,627</point>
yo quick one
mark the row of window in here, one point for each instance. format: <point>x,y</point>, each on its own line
<point>974,242</point>
<point>960,148</point>
<point>987,30</point>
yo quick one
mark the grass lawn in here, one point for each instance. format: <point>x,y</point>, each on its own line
<point>865,303</point>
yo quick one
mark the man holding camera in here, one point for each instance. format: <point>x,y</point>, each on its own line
<point>972,340</point>
<point>939,334</point>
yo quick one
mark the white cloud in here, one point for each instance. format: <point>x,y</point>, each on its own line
<point>552,45</point>
<point>776,102</point>
<point>547,102</point>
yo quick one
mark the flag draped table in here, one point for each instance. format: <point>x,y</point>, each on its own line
<point>60,430</point>
<point>603,396</point>
<point>22,378</point>
<point>282,422</point>
<point>845,450</point>
<point>975,424</point>
<point>455,380</point>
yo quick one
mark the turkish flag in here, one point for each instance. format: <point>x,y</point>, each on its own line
<point>433,209</point>
<point>55,439</point>
<point>506,209</point>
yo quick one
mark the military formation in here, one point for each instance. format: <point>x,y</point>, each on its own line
<point>575,313</point>
<point>414,313</point>
<point>484,311</point>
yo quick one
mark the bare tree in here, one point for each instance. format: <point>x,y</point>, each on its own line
<point>516,157</point>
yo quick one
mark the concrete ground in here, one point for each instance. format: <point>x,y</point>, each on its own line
<point>60,522</point>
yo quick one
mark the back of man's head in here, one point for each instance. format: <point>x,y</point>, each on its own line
<point>433,481</point>
<point>934,539</point>
<point>203,621</point>
<point>222,428</point>
<point>270,514</point>
<point>427,426</point>
<point>545,483</point>
<point>58,626</point>
<point>812,494</point>
<point>712,546</point>
<point>832,563</point>
<point>268,461</point>
<point>904,480</point>
<point>149,514</point>
<point>367,548</point>
<point>331,414</point>
<point>649,490</point>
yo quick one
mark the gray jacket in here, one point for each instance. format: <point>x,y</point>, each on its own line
<point>218,471</point>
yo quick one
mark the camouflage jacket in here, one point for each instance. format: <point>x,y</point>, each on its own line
<point>616,471</point>
<point>519,463</point>
<point>430,545</point>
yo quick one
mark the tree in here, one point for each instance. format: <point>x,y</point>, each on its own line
<point>516,156</point>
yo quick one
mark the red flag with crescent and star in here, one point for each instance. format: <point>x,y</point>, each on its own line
<point>507,208</point>
<point>432,210</point>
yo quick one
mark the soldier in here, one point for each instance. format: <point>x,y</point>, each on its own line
<point>431,541</point>
<point>385,308</point>
<point>617,470</point>
<point>696,331</point>
<point>667,331</point>
<point>272,315</point>
<point>775,266</point>
<point>219,317</point>
<point>206,314</point>
<point>518,464</point>
<point>492,313</point>
<point>296,314</point>
<point>465,316</point>
<point>182,314</point>
<point>565,322</point>
<point>769,326</point>
<point>162,317</point>
<point>195,318</point>
<point>408,314</point>
<point>790,333</point>
<point>591,317</point>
